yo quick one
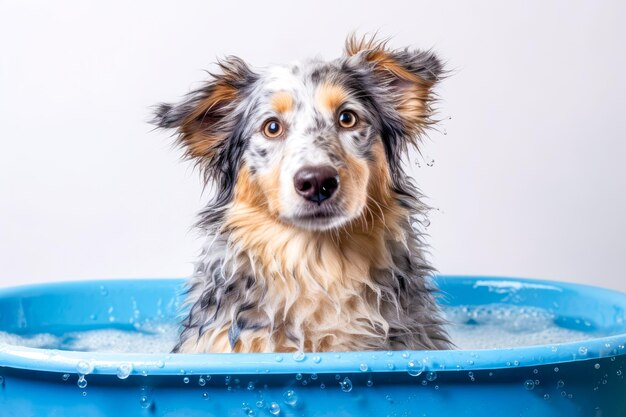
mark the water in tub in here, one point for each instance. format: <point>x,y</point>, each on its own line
<point>471,327</point>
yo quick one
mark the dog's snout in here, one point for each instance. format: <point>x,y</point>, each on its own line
<point>316,183</point>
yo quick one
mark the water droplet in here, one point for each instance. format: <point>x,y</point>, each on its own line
<point>124,370</point>
<point>370,382</point>
<point>337,377</point>
<point>317,359</point>
<point>560,383</point>
<point>424,382</point>
<point>160,364</point>
<point>546,396</point>
<point>227,379</point>
<point>84,368</point>
<point>201,381</point>
<point>389,398</point>
<point>406,355</point>
<point>529,384</point>
<point>278,358</point>
<point>82,382</point>
<point>103,290</point>
<point>582,350</point>
<point>619,372</point>
<point>290,398</point>
<point>84,393</point>
<point>65,377</point>
<point>556,369</point>
<point>250,386</point>
<point>535,371</point>
<point>186,380</point>
<point>299,356</point>
<point>260,404</point>
<point>515,363</point>
<point>415,368</point>
<point>346,385</point>
<point>431,376</point>
<point>205,395</point>
<point>145,397</point>
<point>323,386</point>
<point>363,367</point>
<point>274,409</point>
<point>597,366</point>
<point>391,366</point>
<point>299,376</point>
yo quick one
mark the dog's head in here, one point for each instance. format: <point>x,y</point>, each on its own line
<point>307,140</point>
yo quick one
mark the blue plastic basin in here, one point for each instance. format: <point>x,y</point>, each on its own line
<point>571,379</point>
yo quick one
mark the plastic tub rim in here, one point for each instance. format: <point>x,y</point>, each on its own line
<point>62,361</point>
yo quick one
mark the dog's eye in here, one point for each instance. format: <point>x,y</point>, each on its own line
<point>347,119</point>
<point>272,129</point>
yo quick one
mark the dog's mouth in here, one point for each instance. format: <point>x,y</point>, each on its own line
<point>318,217</point>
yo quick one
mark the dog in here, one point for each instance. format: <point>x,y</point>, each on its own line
<point>310,244</point>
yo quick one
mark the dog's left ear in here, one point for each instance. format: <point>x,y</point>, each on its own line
<point>404,82</point>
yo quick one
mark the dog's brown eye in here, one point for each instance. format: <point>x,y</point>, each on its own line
<point>347,119</point>
<point>272,129</point>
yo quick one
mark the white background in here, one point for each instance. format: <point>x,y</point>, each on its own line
<point>529,179</point>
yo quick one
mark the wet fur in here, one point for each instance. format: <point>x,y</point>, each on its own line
<point>263,284</point>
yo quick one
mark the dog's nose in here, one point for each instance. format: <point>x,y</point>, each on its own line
<point>316,183</point>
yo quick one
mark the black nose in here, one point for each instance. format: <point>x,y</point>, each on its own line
<point>316,183</point>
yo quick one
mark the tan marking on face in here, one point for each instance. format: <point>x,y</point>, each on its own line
<point>282,102</point>
<point>353,179</point>
<point>330,96</point>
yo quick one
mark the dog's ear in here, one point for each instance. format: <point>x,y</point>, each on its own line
<point>207,119</point>
<point>405,80</point>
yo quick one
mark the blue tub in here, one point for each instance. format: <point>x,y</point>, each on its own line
<point>570,379</point>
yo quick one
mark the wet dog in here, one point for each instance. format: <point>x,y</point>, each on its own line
<point>310,244</point>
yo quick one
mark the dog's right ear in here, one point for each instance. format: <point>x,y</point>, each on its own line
<point>206,121</point>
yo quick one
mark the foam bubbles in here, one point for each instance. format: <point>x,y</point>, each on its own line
<point>497,326</point>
